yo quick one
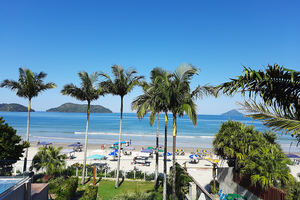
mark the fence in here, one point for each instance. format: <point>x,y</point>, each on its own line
<point>271,194</point>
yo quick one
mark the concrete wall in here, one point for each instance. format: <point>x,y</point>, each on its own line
<point>228,186</point>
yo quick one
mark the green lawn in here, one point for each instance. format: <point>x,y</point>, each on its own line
<point>107,188</point>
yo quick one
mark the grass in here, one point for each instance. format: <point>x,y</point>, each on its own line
<point>107,189</point>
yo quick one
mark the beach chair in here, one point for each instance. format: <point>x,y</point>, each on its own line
<point>220,193</point>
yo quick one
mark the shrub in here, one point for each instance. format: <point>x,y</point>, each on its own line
<point>293,192</point>
<point>182,181</point>
<point>54,184</point>
<point>137,195</point>
<point>68,188</point>
<point>90,193</point>
<point>211,187</point>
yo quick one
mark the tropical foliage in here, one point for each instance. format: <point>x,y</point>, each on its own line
<point>154,101</point>
<point>293,192</point>
<point>172,92</point>
<point>28,86</point>
<point>257,153</point>
<point>280,90</point>
<point>123,84</point>
<point>11,147</point>
<point>50,159</point>
<point>87,92</point>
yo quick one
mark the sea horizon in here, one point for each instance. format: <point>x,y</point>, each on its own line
<point>104,128</point>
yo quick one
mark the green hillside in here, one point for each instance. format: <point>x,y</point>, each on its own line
<point>79,108</point>
<point>14,107</point>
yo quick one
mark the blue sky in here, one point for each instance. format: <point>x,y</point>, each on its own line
<point>63,38</point>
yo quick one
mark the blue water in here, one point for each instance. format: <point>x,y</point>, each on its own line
<point>104,128</point>
<point>6,184</point>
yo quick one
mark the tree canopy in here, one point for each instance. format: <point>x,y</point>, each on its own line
<point>278,87</point>
<point>11,147</point>
<point>258,154</point>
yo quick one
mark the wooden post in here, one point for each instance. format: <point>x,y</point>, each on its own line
<point>214,175</point>
<point>94,174</point>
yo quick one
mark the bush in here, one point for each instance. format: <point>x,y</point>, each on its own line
<point>54,184</point>
<point>182,181</point>
<point>293,192</point>
<point>137,195</point>
<point>68,188</point>
<point>211,187</point>
<point>90,193</point>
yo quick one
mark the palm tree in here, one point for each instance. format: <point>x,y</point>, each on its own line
<point>28,86</point>
<point>150,101</point>
<point>123,84</point>
<point>280,90</point>
<point>267,165</point>
<point>182,100</point>
<point>49,159</point>
<point>87,92</point>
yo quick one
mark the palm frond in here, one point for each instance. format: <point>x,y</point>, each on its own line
<point>272,117</point>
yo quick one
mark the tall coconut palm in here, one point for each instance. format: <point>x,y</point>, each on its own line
<point>86,92</point>
<point>152,102</point>
<point>123,84</point>
<point>182,100</point>
<point>28,86</point>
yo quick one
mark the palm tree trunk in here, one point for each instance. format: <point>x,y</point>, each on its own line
<point>27,136</point>
<point>174,158</point>
<point>86,138</point>
<point>156,152</point>
<point>165,159</point>
<point>119,152</point>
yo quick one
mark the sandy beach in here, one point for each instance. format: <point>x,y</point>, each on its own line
<point>202,171</point>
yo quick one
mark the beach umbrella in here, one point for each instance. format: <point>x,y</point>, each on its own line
<point>160,145</point>
<point>291,155</point>
<point>147,151</point>
<point>123,142</point>
<point>160,150</point>
<point>77,144</point>
<point>182,150</point>
<point>113,153</point>
<point>193,156</point>
<point>150,148</point>
<point>204,151</point>
<point>65,151</point>
<point>129,148</point>
<point>216,160</point>
<point>96,157</point>
<point>168,154</point>
<point>197,150</point>
<point>209,159</point>
<point>44,143</point>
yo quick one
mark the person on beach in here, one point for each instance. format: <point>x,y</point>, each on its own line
<point>37,142</point>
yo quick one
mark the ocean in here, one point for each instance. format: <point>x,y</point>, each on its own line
<point>104,128</point>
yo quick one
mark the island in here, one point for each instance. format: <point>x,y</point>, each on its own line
<point>79,108</point>
<point>232,112</point>
<point>14,107</point>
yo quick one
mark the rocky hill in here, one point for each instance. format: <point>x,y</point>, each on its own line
<point>79,108</point>
<point>14,107</point>
<point>232,112</point>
